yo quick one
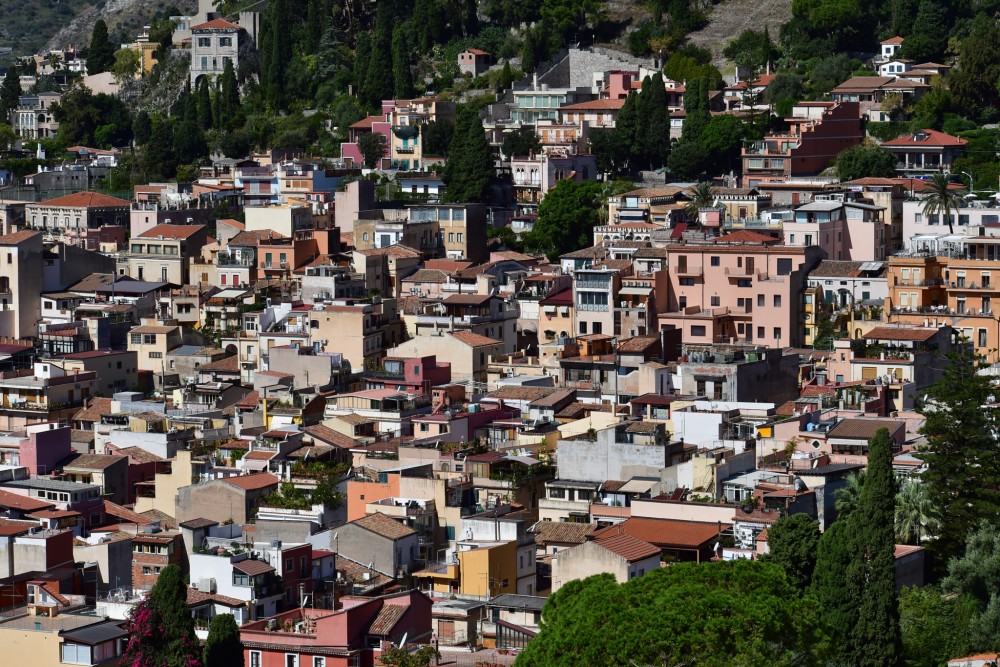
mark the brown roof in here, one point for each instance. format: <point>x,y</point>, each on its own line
<point>638,344</point>
<point>152,329</point>
<point>195,524</point>
<point>328,435</point>
<point>382,525</point>
<point>92,413</point>
<point>745,236</point>
<point>387,619</point>
<point>427,276</point>
<point>901,333</point>
<point>93,461</point>
<point>23,503</point>
<point>664,532</point>
<point>17,237</point>
<point>468,299</point>
<point>863,429</point>
<point>930,138</point>
<point>230,364</point>
<point>167,522</point>
<point>253,567</point>
<point>87,199</point>
<point>196,597</point>
<point>562,532</point>
<point>515,393</point>
<point>252,482</point>
<point>473,339</point>
<point>396,251</point>
<point>252,238</point>
<point>139,455</point>
<point>259,455</point>
<point>630,548</point>
<point>831,268</point>
<point>125,514</point>
<point>171,231</point>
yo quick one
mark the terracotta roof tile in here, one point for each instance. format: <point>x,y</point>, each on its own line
<point>473,339</point>
<point>562,532</point>
<point>329,436</point>
<point>628,547</point>
<point>171,232</point>
<point>229,364</point>
<point>17,237</point>
<point>92,413</point>
<point>863,429</point>
<point>253,567</point>
<point>901,333</point>
<point>382,525</point>
<point>216,24</point>
<point>86,199</point>
<point>387,619</point>
<point>664,532</point>
<point>252,482</point>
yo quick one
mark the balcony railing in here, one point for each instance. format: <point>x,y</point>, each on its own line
<point>592,284</point>
<point>593,307</point>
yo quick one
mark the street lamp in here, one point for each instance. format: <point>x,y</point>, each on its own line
<point>972,185</point>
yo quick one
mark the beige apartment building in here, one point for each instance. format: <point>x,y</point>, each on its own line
<point>20,283</point>
<point>163,253</point>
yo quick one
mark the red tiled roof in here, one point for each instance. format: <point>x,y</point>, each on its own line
<point>366,123</point>
<point>216,24</point>
<point>595,105</point>
<point>473,339</point>
<point>253,567</point>
<point>87,200</point>
<point>229,364</point>
<point>17,237</point>
<point>252,482</point>
<point>171,231</point>
<point>664,532</point>
<point>893,40</point>
<point>863,429</point>
<point>630,548</point>
<point>23,503</point>
<point>330,436</point>
<point>932,138</point>
<point>478,52</point>
<point>901,333</point>
<point>120,512</point>
<point>92,413</point>
<point>382,525</point>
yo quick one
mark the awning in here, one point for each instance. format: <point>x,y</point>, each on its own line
<point>637,486</point>
<point>255,464</point>
<point>549,310</point>
<point>635,291</point>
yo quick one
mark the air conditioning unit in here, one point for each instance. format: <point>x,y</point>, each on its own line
<point>206,585</point>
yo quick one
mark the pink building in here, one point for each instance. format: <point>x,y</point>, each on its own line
<point>350,636</point>
<point>845,230</point>
<point>742,285</point>
<point>412,374</point>
<point>620,84</point>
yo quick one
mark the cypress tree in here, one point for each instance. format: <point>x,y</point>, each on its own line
<point>402,76</point>
<point>101,53</point>
<point>362,53</point>
<point>627,126</point>
<point>223,647</point>
<point>875,639</point>
<point>833,557</point>
<point>10,93</point>
<point>204,105</point>
<point>379,83</point>
<point>276,52</point>
<point>142,128</point>
<point>469,172</point>
<point>654,122</point>
<point>528,62</point>
<point>229,96</point>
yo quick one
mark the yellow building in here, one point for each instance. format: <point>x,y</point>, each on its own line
<point>184,471</point>
<point>483,572</point>
<point>60,639</point>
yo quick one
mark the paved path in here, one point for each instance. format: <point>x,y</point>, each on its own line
<point>484,658</point>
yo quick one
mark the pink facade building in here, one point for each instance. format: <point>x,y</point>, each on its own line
<point>740,286</point>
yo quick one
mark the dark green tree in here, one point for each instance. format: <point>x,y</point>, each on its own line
<point>688,160</point>
<point>974,81</point>
<point>101,52</point>
<point>752,50</point>
<point>654,122</point>
<point>142,128</point>
<point>566,218</point>
<point>529,52</point>
<point>437,136</point>
<point>792,543</point>
<point>362,54</point>
<point>223,647</point>
<point>871,576</point>
<point>10,93</point>
<point>276,51</point>
<point>962,453</point>
<point>935,627</point>
<point>228,98</point>
<point>470,171</point>
<point>402,75</point>
<point>723,613</point>
<point>864,161</point>
<point>161,627</point>
<point>379,83</point>
<point>833,558</point>
<point>372,147</point>
<point>159,160</point>
<point>204,101</point>
<point>520,143</point>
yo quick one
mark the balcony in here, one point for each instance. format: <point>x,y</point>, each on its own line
<point>740,272</point>
<point>928,282</point>
<point>688,271</point>
<point>593,284</point>
<point>970,286</point>
<point>593,307</point>
<point>231,260</point>
<point>406,150</point>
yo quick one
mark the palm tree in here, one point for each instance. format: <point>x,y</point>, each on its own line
<point>942,198</point>
<point>702,196</point>
<point>847,496</point>
<point>916,515</point>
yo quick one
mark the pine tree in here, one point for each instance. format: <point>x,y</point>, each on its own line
<point>10,93</point>
<point>470,171</point>
<point>101,54</point>
<point>962,452</point>
<point>402,76</point>
<point>871,576</point>
<point>223,647</point>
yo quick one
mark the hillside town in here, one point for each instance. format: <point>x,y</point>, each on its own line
<point>556,354</point>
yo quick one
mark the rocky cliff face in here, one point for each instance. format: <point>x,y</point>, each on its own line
<point>122,16</point>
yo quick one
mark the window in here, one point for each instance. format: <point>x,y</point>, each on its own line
<point>204,42</point>
<point>319,661</point>
<point>698,330</point>
<point>777,333</point>
<point>716,301</point>
<point>714,261</point>
<point>760,332</point>
<point>982,337</point>
<point>291,660</point>
<point>760,301</point>
<point>777,301</point>
<point>460,237</point>
<point>744,282</point>
<point>225,41</point>
<point>255,659</point>
<point>686,282</point>
<point>784,266</point>
<point>240,578</point>
<point>78,654</point>
<point>557,493</point>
